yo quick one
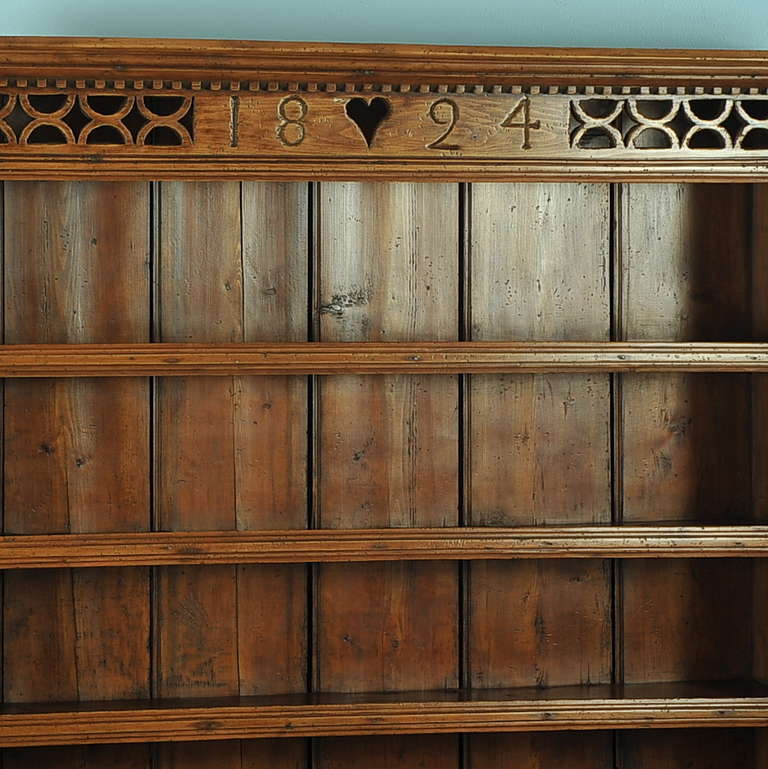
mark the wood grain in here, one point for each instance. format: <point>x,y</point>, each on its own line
<point>557,287</point>
<point>685,438</point>
<point>729,749</point>
<point>388,445</point>
<point>394,544</point>
<point>538,445</point>
<point>224,360</point>
<point>380,752</point>
<point>223,60</point>
<point>231,269</point>
<point>76,452</point>
<point>538,750</point>
<point>243,141</point>
<point>557,709</point>
<point>674,289</point>
<point>759,417</point>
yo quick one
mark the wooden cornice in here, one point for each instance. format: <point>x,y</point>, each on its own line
<point>216,109</point>
<point>224,62</point>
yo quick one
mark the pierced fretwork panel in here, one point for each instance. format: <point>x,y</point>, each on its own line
<point>670,123</point>
<point>93,119</point>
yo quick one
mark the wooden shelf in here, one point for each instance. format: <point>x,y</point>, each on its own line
<point>160,359</point>
<point>345,545</point>
<point>563,708</point>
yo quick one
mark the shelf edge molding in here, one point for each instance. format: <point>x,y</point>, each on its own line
<point>41,551</point>
<point>159,359</point>
<point>167,723</point>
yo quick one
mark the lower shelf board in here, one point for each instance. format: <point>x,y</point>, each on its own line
<point>637,706</point>
<point>328,358</point>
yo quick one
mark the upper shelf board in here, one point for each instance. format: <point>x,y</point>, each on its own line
<point>122,108</point>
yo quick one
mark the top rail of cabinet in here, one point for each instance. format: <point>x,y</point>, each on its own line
<point>86,108</point>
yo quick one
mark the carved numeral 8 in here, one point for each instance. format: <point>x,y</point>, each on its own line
<point>292,111</point>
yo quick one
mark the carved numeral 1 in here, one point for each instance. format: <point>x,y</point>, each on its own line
<point>443,112</point>
<point>522,108</point>
<point>291,130</point>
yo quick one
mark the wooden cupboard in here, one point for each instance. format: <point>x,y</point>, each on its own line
<point>383,406</point>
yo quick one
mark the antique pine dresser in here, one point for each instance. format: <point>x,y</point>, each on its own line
<point>383,406</point>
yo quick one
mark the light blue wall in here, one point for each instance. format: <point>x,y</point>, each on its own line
<point>649,23</point>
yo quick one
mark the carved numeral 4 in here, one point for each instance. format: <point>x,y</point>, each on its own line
<point>522,112</point>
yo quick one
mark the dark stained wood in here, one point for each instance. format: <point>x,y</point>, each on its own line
<point>686,620</point>
<point>101,756</point>
<point>759,441</point>
<point>76,452</point>
<point>581,750</point>
<point>730,749</point>
<point>538,445</point>
<point>388,446</point>
<point>380,752</point>
<point>231,269</point>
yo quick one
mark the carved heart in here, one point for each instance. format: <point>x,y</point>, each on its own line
<point>367,115</point>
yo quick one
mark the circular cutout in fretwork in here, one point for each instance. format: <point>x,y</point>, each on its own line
<point>47,106</point>
<point>707,138</point>
<point>655,124</point>
<point>110,133</point>
<point>168,121</point>
<point>708,111</point>
<point>107,113</point>
<point>753,110</point>
<point>160,136</point>
<point>652,138</point>
<point>754,138</point>
<point>42,132</point>
<point>599,110</point>
<point>595,120</point>
<point>595,138</point>
<point>106,105</point>
<point>166,107</point>
<point>653,110</point>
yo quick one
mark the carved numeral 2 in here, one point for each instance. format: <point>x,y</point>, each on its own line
<point>291,130</point>
<point>523,107</point>
<point>444,112</point>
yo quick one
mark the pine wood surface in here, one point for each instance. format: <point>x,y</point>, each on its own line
<point>453,473</point>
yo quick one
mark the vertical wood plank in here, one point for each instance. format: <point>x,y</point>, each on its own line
<point>76,451</point>
<point>233,268</point>
<point>382,752</point>
<point>687,620</point>
<point>67,757</point>
<point>760,436</point>
<point>686,436</point>
<point>581,750</point>
<point>687,748</point>
<point>539,449</point>
<point>388,449</point>
<point>685,275</point>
